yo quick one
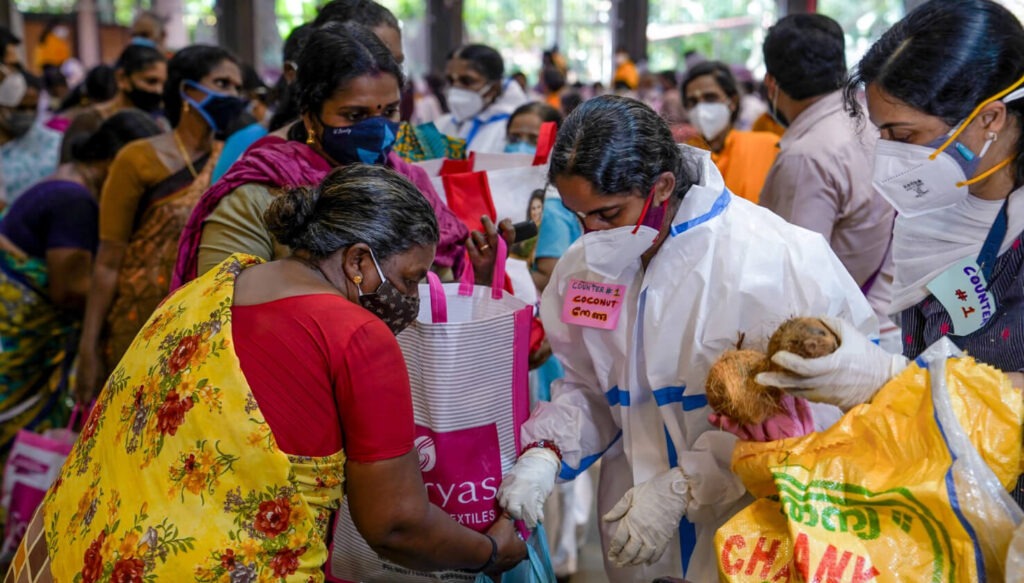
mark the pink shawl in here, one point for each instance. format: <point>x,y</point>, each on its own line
<point>278,163</point>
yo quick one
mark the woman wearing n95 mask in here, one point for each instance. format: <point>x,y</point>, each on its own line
<point>480,98</point>
<point>945,87</point>
<point>673,265</point>
<point>712,100</point>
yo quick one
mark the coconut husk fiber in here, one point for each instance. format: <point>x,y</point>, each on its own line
<point>732,391</point>
<point>731,387</point>
<point>806,337</point>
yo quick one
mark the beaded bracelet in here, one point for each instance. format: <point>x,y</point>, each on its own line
<point>546,444</point>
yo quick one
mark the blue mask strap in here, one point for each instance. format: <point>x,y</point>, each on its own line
<point>994,240</point>
<point>198,106</point>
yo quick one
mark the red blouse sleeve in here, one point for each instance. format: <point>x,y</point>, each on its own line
<point>373,396</point>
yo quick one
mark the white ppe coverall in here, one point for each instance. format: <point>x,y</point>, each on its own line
<point>634,395</point>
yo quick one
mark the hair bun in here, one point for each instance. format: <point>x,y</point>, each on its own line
<point>289,216</point>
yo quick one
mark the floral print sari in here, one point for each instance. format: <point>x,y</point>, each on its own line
<point>176,475</point>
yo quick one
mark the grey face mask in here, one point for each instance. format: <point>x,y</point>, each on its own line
<point>19,122</point>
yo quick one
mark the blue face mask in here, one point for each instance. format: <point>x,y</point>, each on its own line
<point>218,109</point>
<point>367,142</point>
<point>143,41</point>
<point>520,148</point>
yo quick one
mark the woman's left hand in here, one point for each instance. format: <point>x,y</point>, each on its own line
<point>483,248</point>
<point>795,420</point>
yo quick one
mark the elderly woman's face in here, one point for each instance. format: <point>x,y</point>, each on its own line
<point>405,270</point>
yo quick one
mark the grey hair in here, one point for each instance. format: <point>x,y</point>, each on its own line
<point>356,203</point>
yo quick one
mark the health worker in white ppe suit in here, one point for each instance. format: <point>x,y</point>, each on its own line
<point>479,98</point>
<point>945,87</point>
<point>673,269</point>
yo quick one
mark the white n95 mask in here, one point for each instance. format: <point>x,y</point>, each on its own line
<point>917,180</point>
<point>710,119</point>
<point>915,183</point>
<point>465,103</point>
<point>608,253</point>
<point>13,87</point>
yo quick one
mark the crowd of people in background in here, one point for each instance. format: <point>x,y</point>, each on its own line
<point>189,249</point>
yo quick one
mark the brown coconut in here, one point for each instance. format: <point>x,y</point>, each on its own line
<point>806,337</point>
<point>732,391</point>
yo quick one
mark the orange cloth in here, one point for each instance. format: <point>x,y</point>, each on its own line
<point>53,51</point>
<point>627,72</point>
<point>765,123</point>
<point>554,100</point>
<point>744,161</point>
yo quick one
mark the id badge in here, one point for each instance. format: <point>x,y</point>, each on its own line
<point>594,305</point>
<point>963,291</point>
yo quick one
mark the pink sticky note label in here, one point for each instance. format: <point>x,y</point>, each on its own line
<point>595,305</point>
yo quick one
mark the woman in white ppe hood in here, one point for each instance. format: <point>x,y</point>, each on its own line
<point>945,86</point>
<point>674,267</point>
<point>479,99</point>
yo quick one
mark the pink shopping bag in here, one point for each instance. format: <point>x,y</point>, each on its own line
<point>467,361</point>
<point>31,468</point>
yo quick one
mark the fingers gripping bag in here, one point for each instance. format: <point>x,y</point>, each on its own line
<point>910,487</point>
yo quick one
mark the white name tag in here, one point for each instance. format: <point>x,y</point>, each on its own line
<point>963,291</point>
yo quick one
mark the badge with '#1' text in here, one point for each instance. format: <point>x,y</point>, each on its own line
<point>595,305</point>
<point>963,291</point>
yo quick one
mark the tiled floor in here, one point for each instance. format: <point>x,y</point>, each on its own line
<point>591,566</point>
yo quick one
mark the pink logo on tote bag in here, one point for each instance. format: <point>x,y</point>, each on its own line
<point>462,472</point>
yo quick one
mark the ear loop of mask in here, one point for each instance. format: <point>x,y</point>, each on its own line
<point>643,213</point>
<point>1013,94</point>
<point>379,272</point>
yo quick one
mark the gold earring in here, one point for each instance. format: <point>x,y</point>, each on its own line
<point>310,140</point>
<point>358,279</point>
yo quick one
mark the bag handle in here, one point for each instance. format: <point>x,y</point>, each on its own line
<point>77,412</point>
<point>545,142</point>
<point>468,278</point>
<point>438,303</point>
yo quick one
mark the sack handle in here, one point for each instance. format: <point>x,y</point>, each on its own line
<point>468,278</point>
<point>545,142</point>
<point>438,303</point>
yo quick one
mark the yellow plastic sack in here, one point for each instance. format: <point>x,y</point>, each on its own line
<point>911,487</point>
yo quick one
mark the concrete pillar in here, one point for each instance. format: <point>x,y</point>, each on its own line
<point>268,39</point>
<point>787,7</point>
<point>173,14</point>
<point>909,5</point>
<point>444,21</point>
<point>236,27</point>
<point>629,27</point>
<point>88,34</point>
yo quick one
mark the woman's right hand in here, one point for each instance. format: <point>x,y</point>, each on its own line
<point>88,376</point>
<point>511,548</point>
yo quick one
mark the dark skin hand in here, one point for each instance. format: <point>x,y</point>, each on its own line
<point>391,510</point>
<point>483,248</point>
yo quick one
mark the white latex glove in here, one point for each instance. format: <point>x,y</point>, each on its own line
<point>846,378</point>
<point>648,516</point>
<point>528,485</point>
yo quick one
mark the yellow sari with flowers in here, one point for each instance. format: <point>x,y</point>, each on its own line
<point>176,475</point>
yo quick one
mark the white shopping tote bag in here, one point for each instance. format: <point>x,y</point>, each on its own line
<point>467,360</point>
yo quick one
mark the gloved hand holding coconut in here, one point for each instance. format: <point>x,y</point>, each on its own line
<point>806,356</point>
<point>846,377</point>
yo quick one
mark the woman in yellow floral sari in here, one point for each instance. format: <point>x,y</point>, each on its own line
<point>190,467</point>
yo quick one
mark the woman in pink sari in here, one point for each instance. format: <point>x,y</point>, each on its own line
<point>349,92</point>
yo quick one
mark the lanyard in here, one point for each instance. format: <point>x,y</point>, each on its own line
<point>994,240</point>
<point>479,123</point>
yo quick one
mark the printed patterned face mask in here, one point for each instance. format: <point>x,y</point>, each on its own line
<point>396,309</point>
